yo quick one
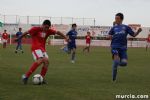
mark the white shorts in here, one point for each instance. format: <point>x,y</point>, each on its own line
<point>87,44</point>
<point>4,40</point>
<point>39,54</point>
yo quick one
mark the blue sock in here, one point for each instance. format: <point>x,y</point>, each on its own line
<point>114,69</point>
<point>123,63</point>
<point>73,56</point>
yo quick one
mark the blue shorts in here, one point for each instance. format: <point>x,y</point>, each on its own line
<point>71,46</point>
<point>121,52</point>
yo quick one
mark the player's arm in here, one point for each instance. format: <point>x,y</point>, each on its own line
<point>110,34</point>
<point>67,35</point>
<point>109,37</point>
<point>24,34</point>
<point>137,33</point>
<point>132,33</point>
<point>61,34</point>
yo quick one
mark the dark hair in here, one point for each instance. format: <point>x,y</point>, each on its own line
<point>88,32</point>
<point>74,25</point>
<point>47,22</point>
<point>5,30</point>
<point>120,15</point>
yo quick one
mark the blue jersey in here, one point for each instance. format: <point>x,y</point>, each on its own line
<point>119,35</point>
<point>18,34</point>
<point>72,36</point>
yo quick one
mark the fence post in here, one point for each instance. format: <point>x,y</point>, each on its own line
<point>72,20</point>
<point>16,20</point>
<point>83,21</point>
<point>39,20</point>
<point>4,19</point>
<point>94,22</point>
<point>61,20</point>
<point>27,20</point>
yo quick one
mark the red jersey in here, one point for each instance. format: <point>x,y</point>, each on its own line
<point>88,39</point>
<point>148,39</point>
<point>5,36</point>
<point>39,37</point>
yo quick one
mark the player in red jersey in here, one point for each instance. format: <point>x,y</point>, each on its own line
<point>5,38</point>
<point>39,36</point>
<point>88,42</point>
<point>148,42</point>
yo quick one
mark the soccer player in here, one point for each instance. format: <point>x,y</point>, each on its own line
<point>118,35</point>
<point>19,42</point>
<point>148,42</point>
<point>72,35</point>
<point>39,36</point>
<point>5,38</point>
<point>88,42</point>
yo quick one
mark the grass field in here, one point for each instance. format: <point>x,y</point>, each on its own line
<point>88,79</point>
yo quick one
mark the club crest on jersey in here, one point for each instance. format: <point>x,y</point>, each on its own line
<point>43,35</point>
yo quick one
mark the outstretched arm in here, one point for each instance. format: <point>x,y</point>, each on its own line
<point>109,37</point>
<point>61,34</point>
<point>24,34</point>
<point>137,33</point>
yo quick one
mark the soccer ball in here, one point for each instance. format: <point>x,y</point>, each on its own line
<point>37,79</point>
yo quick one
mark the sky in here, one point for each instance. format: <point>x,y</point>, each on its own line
<point>135,11</point>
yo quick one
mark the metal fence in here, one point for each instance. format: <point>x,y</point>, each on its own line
<point>16,19</point>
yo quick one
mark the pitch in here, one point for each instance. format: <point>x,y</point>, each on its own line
<point>88,79</point>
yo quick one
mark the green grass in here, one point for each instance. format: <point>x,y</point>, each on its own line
<point>88,79</point>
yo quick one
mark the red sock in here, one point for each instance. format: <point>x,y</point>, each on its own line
<point>44,71</point>
<point>32,69</point>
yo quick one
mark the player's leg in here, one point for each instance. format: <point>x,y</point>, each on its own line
<point>69,48</point>
<point>32,69</point>
<point>73,55</point>
<point>123,57</point>
<point>84,48</point>
<point>44,69</point>
<point>4,43</point>
<point>88,49</point>
<point>17,47</point>
<point>38,57</point>
<point>20,47</point>
<point>65,48</point>
<point>146,46</point>
<point>116,60</point>
<point>45,65</point>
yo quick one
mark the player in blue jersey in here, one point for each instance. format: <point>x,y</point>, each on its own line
<point>72,35</point>
<point>118,35</point>
<point>19,42</point>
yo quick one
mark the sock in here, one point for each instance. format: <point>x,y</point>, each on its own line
<point>32,69</point>
<point>73,56</point>
<point>114,69</point>
<point>44,71</point>
<point>123,63</point>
